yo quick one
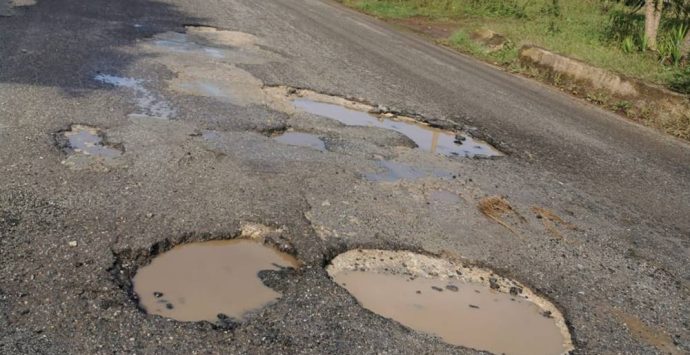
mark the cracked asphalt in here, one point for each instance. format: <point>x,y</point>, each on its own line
<point>197,128</point>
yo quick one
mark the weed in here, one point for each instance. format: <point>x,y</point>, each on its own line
<point>628,44</point>
<point>681,81</point>
<point>622,106</point>
<point>597,97</point>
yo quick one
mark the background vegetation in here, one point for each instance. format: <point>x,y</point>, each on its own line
<point>606,33</point>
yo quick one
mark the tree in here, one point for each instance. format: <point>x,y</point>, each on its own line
<point>653,10</point>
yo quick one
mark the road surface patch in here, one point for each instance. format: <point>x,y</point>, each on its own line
<point>301,139</point>
<point>209,281</point>
<point>394,171</point>
<point>464,306</point>
<point>445,197</point>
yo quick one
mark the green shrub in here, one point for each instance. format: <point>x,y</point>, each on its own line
<point>681,81</point>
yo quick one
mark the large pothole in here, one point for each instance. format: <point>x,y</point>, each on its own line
<point>426,137</point>
<point>463,305</point>
<point>209,281</point>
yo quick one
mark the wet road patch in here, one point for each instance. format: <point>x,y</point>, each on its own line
<point>464,306</point>
<point>209,281</point>
<point>148,103</point>
<point>394,171</point>
<point>427,138</point>
<point>302,139</point>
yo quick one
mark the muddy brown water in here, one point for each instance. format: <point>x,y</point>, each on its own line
<point>88,140</point>
<point>426,137</point>
<point>460,313</point>
<point>302,139</point>
<point>199,281</point>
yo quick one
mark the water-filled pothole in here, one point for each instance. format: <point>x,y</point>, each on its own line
<point>428,138</point>
<point>301,139</point>
<point>89,141</point>
<point>209,281</point>
<point>394,171</point>
<point>464,306</point>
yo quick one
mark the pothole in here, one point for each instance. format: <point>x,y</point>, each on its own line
<point>394,171</point>
<point>209,281</point>
<point>86,146</point>
<point>301,139</point>
<point>463,305</point>
<point>89,140</point>
<point>148,103</point>
<point>427,138</point>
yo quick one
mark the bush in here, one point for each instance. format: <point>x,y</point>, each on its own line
<point>681,81</point>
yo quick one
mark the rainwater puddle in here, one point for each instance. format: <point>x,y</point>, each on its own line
<point>209,280</point>
<point>89,141</point>
<point>426,137</point>
<point>302,139</point>
<point>146,101</point>
<point>394,171</point>
<point>463,306</point>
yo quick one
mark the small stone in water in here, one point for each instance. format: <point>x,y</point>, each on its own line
<point>452,288</point>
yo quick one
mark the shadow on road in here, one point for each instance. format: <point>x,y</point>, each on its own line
<point>64,43</point>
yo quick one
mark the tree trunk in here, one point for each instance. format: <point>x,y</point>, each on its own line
<point>652,20</point>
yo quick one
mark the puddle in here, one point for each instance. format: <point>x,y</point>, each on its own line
<point>200,281</point>
<point>463,306</point>
<point>89,141</point>
<point>302,139</point>
<point>146,101</point>
<point>426,137</point>
<point>445,197</point>
<point>394,171</point>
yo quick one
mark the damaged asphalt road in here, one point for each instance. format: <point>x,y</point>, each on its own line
<point>179,107</point>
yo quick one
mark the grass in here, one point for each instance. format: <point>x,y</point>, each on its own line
<point>601,33</point>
